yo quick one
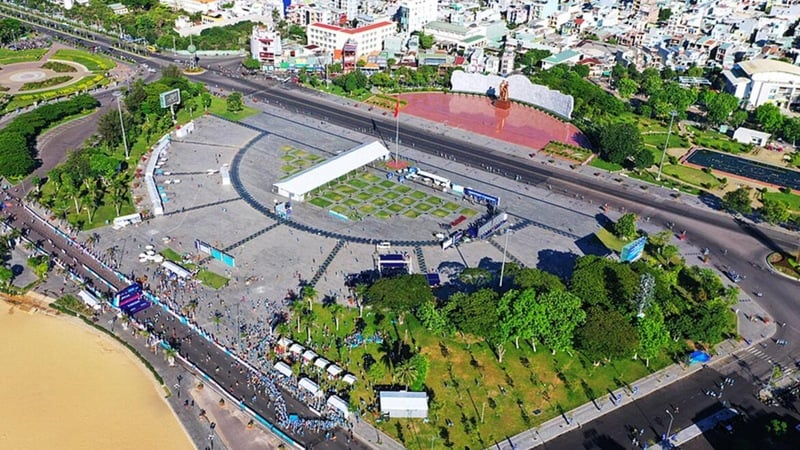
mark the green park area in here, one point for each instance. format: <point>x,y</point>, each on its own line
<point>363,193</point>
<point>17,56</point>
<point>92,61</point>
<point>496,361</point>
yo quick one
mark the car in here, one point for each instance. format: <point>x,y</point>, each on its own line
<point>735,277</point>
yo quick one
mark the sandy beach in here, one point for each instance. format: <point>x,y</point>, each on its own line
<point>67,386</point>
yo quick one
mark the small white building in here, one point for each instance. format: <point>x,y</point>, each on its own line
<point>749,136</point>
<point>404,404</point>
<point>297,186</point>
<point>337,403</point>
<point>367,39</point>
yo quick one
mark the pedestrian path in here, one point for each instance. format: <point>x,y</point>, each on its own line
<point>207,205</point>
<point>423,268</point>
<point>324,266</point>
<point>510,257</point>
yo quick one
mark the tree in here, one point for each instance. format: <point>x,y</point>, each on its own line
<point>109,129</point>
<point>643,159</point>
<point>738,200</point>
<point>620,141</point>
<point>6,275</point>
<point>474,313</point>
<point>664,14</point>
<point>403,293</point>
<point>433,318</point>
<point>251,64</point>
<point>653,333</point>
<point>529,277</point>
<point>738,118</point>
<point>719,106</point>
<point>791,130</point>
<point>309,295</point>
<point>581,69</point>
<point>625,227</point>
<point>15,157</point>
<point>694,71</point>
<point>651,82</point>
<point>606,335</point>
<point>562,313</point>
<point>206,100</point>
<point>405,374</point>
<point>774,211</point>
<point>769,117</point>
<point>234,102</point>
<point>777,427</point>
<point>531,58</point>
<point>627,88</point>
<point>171,71</point>
<point>425,40</point>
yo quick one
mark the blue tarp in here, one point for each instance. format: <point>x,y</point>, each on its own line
<point>699,356</point>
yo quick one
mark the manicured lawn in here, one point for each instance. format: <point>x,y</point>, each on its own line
<point>332,195</point>
<point>424,207</point>
<point>364,196</point>
<point>387,184</point>
<point>211,279</point>
<point>450,206</point>
<point>171,255</point>
<point>341,209</point>
<point>345,189</point>
<point>351,202</point>
<point>605,165</point>
<point>412,214</point>
<point>289,169</point>
<point>658,139</point>
<point>355,182</point>
<point>366,209</point>
<point>383,214</point>
<point>219,107</point>
<point>407,201</point>
<point>321,202</point>
<point>609,240</point>
<point>379,202</point>
<point>419,195</point>
<point>395,208</point>
<point>469,212</point>
<point>715,140</point>
<point>434,200</point>
<point>17,56</point>
<point>391,195</point>
<point>441,213</point>
<point>377,190</point>
<point>402,189</point>
<point>691,175</point>
<point>92,61</point>
<point>287,158</point>
<point>793,200</point>
<point>370,178</point>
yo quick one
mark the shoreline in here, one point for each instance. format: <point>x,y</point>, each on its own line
<point>109,348</point>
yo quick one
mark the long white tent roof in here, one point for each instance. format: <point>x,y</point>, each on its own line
<point>327,171</point>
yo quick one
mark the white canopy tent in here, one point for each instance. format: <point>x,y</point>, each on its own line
<point>336,402</point>
<point>334,370</point>
<point>283,368</point>
<point>310,386</point>
<point>404,404</point>
<point>349,379</point>
<point>309,356</point>
<point>284,343</point>
<point>176,269</point>
<point>321,363</point>
<point>296,349</point>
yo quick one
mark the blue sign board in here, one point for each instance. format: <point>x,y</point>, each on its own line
<point>632,251</point>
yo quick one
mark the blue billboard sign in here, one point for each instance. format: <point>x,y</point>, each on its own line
<point>632,251</point>
<point>482,197</point>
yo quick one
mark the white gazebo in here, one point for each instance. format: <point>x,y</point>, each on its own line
<point>349,379</point>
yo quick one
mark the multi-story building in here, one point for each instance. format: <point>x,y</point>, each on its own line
<point>761,81</point>
<point>265,46</point>
<point>192,6</point>
<point>415,14</point>
<point>367,39</point>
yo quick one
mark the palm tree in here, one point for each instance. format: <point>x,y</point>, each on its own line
<point>309,294</point>
<point>335,310</point>
<point>405,374</point>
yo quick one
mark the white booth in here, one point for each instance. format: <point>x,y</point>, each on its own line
<point>310,386</point>
<point>283,368</point>
<point>404,404</point>
<point>336,402</point>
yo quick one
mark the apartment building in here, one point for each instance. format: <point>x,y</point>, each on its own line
<point>366,39</point>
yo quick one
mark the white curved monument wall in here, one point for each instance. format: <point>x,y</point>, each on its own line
<point>520,88</point>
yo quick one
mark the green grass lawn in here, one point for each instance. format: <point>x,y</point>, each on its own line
<point>691,175</point>
<point>346,189</point>
<point>605,165</point>
<point>391,195</point>
<point>440,213</point>
<point>355,182</point>
<point>220,107</point>
<point>92,61</point>
<point>387,184</point>
<point>287,158</point>
<point>402,189</point>
<point>610,241</point>
<point>321,202</point>
<point>412,214</point>
<point>715,140</point>
<point>370,178</point>
<point>341,209</point>
<point>333,195</point>
<point>395,208</point>
<point>366,209</point>
<point>171,255</point>
<point>407,201</point>
<point>465,380</point>
<point>424,207</point>
<point>379,202</point>
<point>793,200</point>
<point>211,279</point>
<point>364,196</point>
<point>383,214</point>
<point>659,139</point>
<point>351,202</point>
<point>419,195</point>
<point>468,212</point>
<point>375,190</point>
<point>450,206</point>
<point>17,56</point>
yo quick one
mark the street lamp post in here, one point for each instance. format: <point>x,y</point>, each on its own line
<point>503,265</point>
<point>672,115</point>
<point>118,95</point>
<point>669,428</point>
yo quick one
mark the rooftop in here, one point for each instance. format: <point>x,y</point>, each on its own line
<point>755,66</point>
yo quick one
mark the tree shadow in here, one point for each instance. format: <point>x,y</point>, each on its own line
<point>557,262</point>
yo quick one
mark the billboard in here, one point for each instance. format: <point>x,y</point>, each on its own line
<point>170,98</point>
<point>632,251</point>
<point>491,225</point>
<point>482,197</point>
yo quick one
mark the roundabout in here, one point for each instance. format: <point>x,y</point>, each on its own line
<point>15,77</point>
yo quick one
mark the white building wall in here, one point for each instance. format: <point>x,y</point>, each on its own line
<point>369,39</point>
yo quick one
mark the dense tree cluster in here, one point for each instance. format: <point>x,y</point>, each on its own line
<point>11,30</point>
<point>608,310</point>
<point>18,138</point>
<point>591,101</point>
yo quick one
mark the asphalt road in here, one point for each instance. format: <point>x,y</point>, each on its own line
<point>747,245</point>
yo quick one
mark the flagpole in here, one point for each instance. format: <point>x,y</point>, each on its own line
<point>397,130</point>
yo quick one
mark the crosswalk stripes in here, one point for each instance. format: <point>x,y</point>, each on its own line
<point>423,268</point>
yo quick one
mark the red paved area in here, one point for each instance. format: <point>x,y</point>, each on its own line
<point>519,125</point>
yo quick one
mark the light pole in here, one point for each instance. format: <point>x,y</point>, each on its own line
<point>669,428</point>
<point>503,265</point>
<point>118,95</point>
<point>672,115</point>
